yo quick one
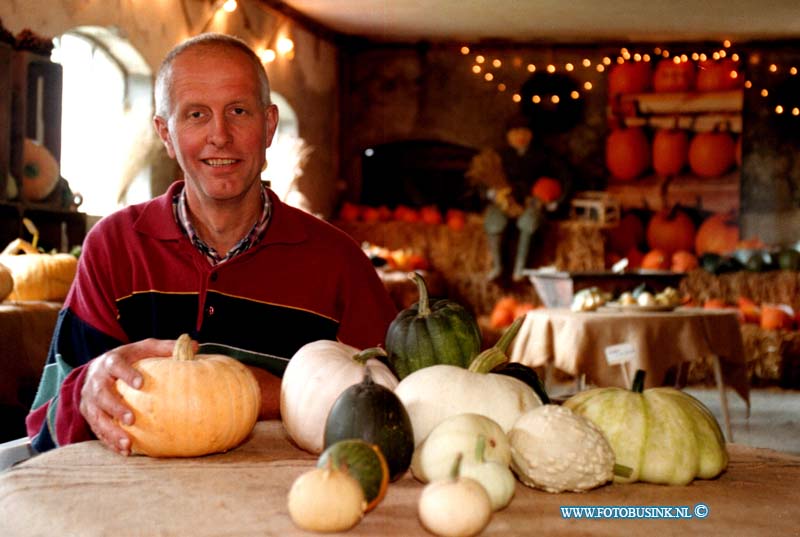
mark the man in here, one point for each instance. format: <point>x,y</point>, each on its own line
<point>218,257</point>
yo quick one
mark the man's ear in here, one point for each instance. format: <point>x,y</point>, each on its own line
<point>160,124</point>
<point>272,123</point>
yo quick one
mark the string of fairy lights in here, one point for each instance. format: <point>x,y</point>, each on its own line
<point>493,70</point>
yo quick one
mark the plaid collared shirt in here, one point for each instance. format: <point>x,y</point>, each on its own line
<point>181,212</point>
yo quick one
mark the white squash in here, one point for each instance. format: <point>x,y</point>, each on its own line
<point>556,450</point>
<point>433,458</point>
<point>315,377</point>
<point>435,393</point>
<point>496,478</point>
<point>455,506</point>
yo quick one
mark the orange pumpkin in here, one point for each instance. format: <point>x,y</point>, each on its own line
<point>629,77</point>
<point>670,231</point>
<point>456,219</point>
<point>674,76</point>
<point>718,75</point>
<point>655,260</point>
<point>711,153</point>
<point>749,310</point>
<point>430,214</point>
<point>349,212</point>
<point>670,151</point>
<point>546,189</point>
<point>776,317</point>
<point>504,312</point>
<point>627,153</point>
<point>370,214</point>
<point>683,261</point>
<point>40,171</point>
<point>715,304</point>
<point>718,234</point>
<point>627,234</point>
<point>404,213</point>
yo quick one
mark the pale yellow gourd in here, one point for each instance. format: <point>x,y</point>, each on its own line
<point>6,282</point>
<point>455,506</point>
<point>37,276</point>
<point>190,405</point>
<point>326,500</point>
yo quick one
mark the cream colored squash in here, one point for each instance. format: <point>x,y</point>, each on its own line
<point>38,276</point>
<point>556,450</point>
<point>433,458</point>
<point>326,500</point>
<point>190,405</point>
<point>455,506</point>
<point>6,282</point>
<point>315,377</point>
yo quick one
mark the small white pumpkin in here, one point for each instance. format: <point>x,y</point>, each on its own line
<point>495,477</point>
<point>556,450</point>
<point>433,458</point>
<point>326,500</point>
<point>455,506</point>
<point>315,377</point>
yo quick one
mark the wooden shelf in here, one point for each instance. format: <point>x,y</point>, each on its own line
<point>717,194</point>
<point>699,112</point>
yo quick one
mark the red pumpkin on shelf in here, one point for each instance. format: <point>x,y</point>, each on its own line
<point>670,231</point>
<point>670,151</point>
<point>655,260</point>
<point>674,75</point>
<point>627,153</point>
<point>776,317</point>
<point>627,234</point>
<point>384,213</point>
<point>717,234</point>
<point>711,153</point>
<point>404,213</point>
<point>683,261</point>
<point>718,75</point>
<point>546,189</point>
<point>629,77</point>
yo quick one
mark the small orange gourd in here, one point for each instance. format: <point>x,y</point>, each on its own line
<point>40,171</point>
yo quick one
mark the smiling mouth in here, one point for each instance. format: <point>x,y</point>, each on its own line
<point>216,162</point>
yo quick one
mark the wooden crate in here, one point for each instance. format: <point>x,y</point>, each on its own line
<point>36,105</point>
<point>6,55</point>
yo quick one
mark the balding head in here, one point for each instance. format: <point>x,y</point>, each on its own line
<point>210,42</point>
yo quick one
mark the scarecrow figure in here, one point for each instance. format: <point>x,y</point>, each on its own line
<point>521,183</point>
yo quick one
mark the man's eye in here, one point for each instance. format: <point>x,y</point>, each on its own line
<point>195,115</point>
<point>239,111</point>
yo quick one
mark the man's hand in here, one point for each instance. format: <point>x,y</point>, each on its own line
<point>101,404</point>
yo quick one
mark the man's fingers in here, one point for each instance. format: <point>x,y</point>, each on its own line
<point>108,432</point>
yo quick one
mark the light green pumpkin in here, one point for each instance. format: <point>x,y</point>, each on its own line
<point>664,435</point>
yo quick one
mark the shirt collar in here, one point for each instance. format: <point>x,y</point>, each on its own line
<point>180,211</point>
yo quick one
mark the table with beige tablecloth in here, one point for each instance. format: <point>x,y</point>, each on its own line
<point>575,342</point>
<point>84,490</point>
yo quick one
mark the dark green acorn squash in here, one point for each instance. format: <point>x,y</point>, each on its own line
<point>431,332</point>
<point>364,462</point>
<point>373,413</point>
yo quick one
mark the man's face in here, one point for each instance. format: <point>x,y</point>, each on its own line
<point>217,129</point>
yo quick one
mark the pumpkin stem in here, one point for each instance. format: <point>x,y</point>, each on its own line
<point>366,354</point>
<point>423,308</point>
<point>183,348</point>
<point>480,448</point>
<point>622,471</point>
<point>638,381</point>
<point>455,470</point>
<point>497,355</point>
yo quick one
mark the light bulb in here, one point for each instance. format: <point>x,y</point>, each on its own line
<point>284,45</point>
<point>229,6</point>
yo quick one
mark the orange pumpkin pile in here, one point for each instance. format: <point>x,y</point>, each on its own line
<point>505,310</point>
<point>455,219</point>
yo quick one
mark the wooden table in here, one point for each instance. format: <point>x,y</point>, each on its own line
<point>84,490</point>
<point>576,342</point>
